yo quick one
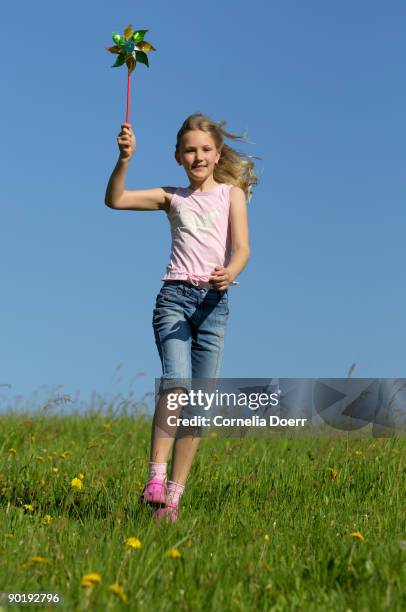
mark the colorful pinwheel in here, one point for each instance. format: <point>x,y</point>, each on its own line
<point>130,48</point>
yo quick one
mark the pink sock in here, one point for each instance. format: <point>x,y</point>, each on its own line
<point>156,471</point>
<point>175,491</point>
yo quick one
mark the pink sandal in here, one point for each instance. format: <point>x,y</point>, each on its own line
<point>169,513</point>
<point>154,492</point>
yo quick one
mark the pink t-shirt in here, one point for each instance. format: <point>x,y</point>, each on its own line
<point>201,234</point>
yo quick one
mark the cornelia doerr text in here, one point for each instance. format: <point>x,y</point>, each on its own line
<point>220,421</point>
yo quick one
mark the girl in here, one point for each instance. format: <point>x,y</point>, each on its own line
<point>210,248</point>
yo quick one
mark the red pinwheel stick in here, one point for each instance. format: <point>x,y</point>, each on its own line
<point>127,115</point>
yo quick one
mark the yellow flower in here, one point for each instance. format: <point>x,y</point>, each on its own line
<point>118,590</point>
<point>359,452</point>
<point>50,457</point>
<point>39,458</point>
<point>36,559</point>
<point>216,457</point>
<point>65,454</point>
<point>138,484</point>
<point>358,536</point>
<point>33,560</point>
<point>55,470</point>
<point>333,472</point>
<point>47,520</point>
<point>8,536</point>
<point>89,580</point>
<point>266,537</point>
<point>29,507</point>
<point>12,450</point>
<point>81,476</point>
<point>42,481</point>
<point>133,543</point>
<point>173,553</point>
<point>77,483</point>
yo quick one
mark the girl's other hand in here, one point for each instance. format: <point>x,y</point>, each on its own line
<point>220,278</point>
<point>126,142</point>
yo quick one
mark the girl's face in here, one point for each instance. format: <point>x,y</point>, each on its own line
<point>198,155</point>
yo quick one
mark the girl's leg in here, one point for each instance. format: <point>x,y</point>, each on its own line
<point>173,339</point>
<point>207,353</point>
<point>183,455</point>
<point>162,434</point>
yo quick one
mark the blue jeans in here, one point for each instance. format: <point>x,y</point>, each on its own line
<point>189,325</point>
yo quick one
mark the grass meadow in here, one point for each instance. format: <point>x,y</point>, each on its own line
<point>313,524</point>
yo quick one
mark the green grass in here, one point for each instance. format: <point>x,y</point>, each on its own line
<point>264,525</point>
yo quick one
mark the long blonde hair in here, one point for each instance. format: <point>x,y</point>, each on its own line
<point>233,167</point>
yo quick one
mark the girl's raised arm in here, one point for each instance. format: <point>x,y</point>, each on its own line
<point>140,199</point>
<point>118,197</point>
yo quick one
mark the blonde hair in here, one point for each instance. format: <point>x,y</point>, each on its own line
<point>233,167</point>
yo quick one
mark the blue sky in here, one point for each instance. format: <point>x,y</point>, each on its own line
<point>320,88</point>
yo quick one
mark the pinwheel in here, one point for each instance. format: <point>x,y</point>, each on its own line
<point>130,49</point>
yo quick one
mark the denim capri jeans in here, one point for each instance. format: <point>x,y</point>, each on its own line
<point>189,326</point>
